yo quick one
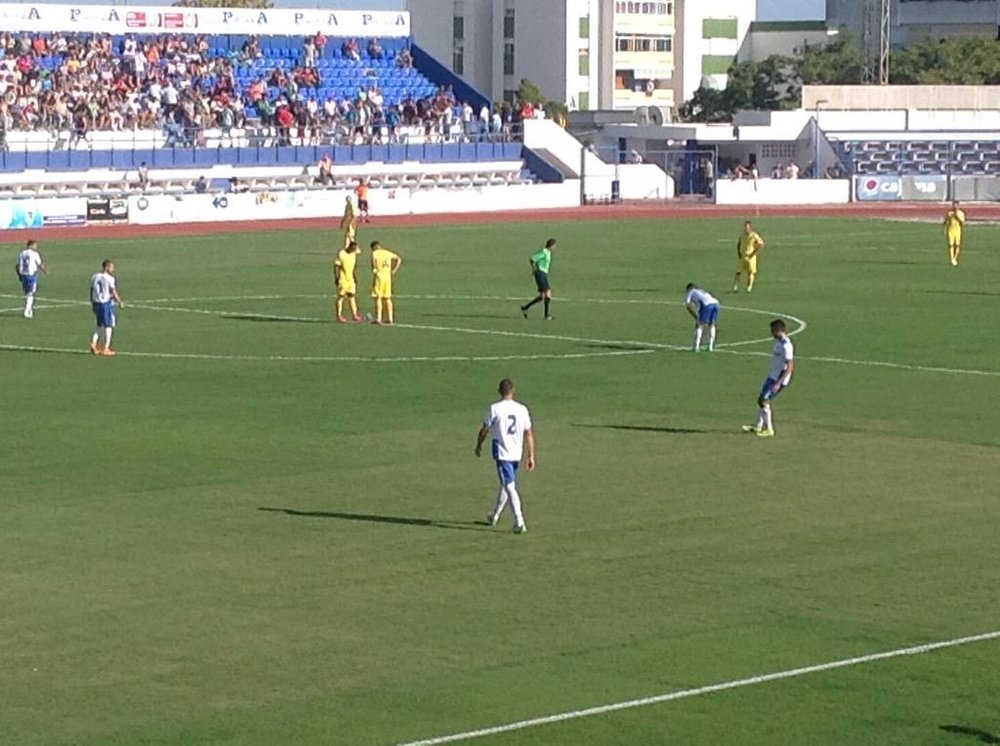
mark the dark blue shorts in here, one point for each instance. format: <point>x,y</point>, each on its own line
<point>542,280</point>
<point>29,283</point>
<point>708,314</point>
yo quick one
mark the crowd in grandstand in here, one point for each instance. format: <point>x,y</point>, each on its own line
<point>83,83</point>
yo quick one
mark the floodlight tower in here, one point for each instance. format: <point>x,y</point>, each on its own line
<point>875,26</point>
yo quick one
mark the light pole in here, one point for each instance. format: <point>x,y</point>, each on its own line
<point>820,102</point>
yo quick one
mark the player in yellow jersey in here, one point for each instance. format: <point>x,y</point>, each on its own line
<point>747,249</point>
<point>347,281</point>
<point>349,222</point>
<point>385,264</point>
<point>954,224</point>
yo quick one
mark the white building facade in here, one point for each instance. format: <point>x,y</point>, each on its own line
<point>589,54</point>
<point>712,32</point>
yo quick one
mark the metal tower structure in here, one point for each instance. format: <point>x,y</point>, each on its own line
<point>875,25</point>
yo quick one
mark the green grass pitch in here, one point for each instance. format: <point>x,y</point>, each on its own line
<point>260,527</point>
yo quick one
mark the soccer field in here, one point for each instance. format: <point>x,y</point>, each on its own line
<point>258,526</point>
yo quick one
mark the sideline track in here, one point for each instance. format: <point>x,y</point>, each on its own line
<point>710,689</point>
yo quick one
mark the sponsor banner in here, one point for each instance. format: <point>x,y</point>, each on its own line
<point>879,188</point>
<point>64,220</point>
<point>138,19</point>
<point>925,188</point>
<point>39,212</point>
<point>103,210</point>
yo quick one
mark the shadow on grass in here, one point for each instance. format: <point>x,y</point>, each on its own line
<point>267,318</point>
<point>371,518</point>
<point>616,346</point>
<point>648,429</point>
<point>963,730</point>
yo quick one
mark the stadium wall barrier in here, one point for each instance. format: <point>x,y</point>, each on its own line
<point>42,211</point>
<point>208,208</point>
<point>976,188</point>
<point>152,19</point>
<point>783,192</point>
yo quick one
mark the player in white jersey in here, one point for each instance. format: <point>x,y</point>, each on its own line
<point>778,377</point>
<point>29,263</point>
<point>513,439</point>
<point>704,307</point>
<point>103,299</point>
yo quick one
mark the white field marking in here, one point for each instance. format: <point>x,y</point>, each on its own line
<point>649,346</point>
<point>710,689</point>
<point>336,359</point>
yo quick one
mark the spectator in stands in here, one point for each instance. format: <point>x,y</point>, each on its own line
<point>834,172</point>
<point>791,170</point>
<point>404,59</point>
<point>309,52</point>
<point>375,48</point>
<point>324,174</point>
<point>143,172</point>
<point>778,172</point>
<point>635,156</point>
<point>350,50</point>
<point>319,41</point>
<point>201,186</point>
<point>708,176</point>
<point>250,50</point>
<point>235,187</point>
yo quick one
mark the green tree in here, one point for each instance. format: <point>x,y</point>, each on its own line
<point>839,63</point>
<point>965,61</point>
<point>529,93</point>
<point>761,85</point>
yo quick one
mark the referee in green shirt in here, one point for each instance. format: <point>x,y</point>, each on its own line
<point>540,262</point>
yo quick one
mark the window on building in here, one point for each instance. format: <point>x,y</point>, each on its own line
<point>585,27</point>
<point>639,43</point>
<point>584,101</point>
<point>508,58</point>
<point>508,23</point>
<point>584,62</point>
<point>624,80</point>
<point>458,60</point>
<point>509,95</point>
<point>458,28</point>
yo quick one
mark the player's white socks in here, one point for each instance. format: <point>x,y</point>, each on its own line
<point>515,504</point>
<point>500,503</point>
<point>711,338</point>
<point>107,337</point>
<point>761,418</point>
<point>697,338</point>
<point>29,304</point>
<point>768,425</point>
<point>95,336</point>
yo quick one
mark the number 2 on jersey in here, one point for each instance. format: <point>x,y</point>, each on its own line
<point>512,426</point>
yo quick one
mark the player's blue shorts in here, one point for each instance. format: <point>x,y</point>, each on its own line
<point>29,283</point>
<point>104,313</point>
<point>767,391</point>
<point>707,314</point>
<point>507,471</point>
<point>541,280</point>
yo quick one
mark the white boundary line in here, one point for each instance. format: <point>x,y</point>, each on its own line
<point>642,347</point>
<point>710,689</point>
<point>336,359</point>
